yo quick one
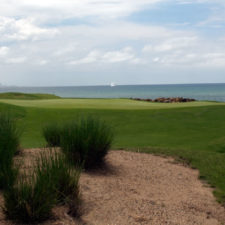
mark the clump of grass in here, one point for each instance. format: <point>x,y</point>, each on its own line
<point>86,141</point>
<point>9,145</point>
<point>29,201</point>
<point>52,133</point>
<point>53,167</point>
<point>52,181</point>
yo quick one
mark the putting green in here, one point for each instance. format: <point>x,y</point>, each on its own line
<point>102,104</point>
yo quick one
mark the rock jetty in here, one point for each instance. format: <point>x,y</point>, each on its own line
<point>166,100</point>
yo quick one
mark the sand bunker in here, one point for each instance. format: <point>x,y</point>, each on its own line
<point>137,188</point>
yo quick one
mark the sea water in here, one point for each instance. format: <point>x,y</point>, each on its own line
<point>210,92</point>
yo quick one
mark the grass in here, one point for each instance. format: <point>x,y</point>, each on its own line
<point>9,145</point>
<point>52,181</point>
<point>18,95</point>
<point>118,104</point>
<point>86,141</point>
<point>29,201</point>
<point>192,131</point>
<point>52,133</point>
<point>53,167</point>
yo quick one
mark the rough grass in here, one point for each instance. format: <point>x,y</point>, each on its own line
<point>9,145</point>
<point>86,141</point>
<point>24,96</point>
<point>53,167</point>
<point>197,134</point>
<point>28,201</point>
<point>52,133</point>
<point>53,180</point>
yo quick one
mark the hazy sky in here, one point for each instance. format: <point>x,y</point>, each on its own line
<point>90,42</point>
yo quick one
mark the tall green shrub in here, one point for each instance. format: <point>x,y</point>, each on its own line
<point>9,145</point>
<point>86,141</point>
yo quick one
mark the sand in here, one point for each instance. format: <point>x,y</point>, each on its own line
<point>137,188</point>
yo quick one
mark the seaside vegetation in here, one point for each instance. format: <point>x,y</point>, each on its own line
<point>54,168</point>
<point>86,141</point>
<point>29,201</point>
<point>29,196</point>
<point>9,146</point>
<point>33,195</point>
<point>192,132</point>
<point>52,133</point>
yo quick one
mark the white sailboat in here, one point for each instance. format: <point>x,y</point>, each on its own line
<point>112,84</point>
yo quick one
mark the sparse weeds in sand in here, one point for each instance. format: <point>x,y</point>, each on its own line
<point>52,133</point>
<point>9,145</point>
<point>86,141</point>
<point>29,201</point>
<point>53,167</point>
<point>52,181</point>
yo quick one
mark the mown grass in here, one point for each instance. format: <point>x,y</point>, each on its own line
<point>195,131</point>
<point>112,104</point>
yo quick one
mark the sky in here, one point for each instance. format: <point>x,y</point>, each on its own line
<point>96,42</point>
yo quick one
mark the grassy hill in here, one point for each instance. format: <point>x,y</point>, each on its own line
<point>194,132</point>
<point>18,95</point>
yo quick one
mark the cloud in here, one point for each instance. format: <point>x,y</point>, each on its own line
<point>23,29</point>
<point>92,57</point>
<point>4,51</point>
<point>42,62</point>
<point>192,59</point>
<point>186,51</point>
<point>74,8</point>
<point>17,60</point>
<point>172,44</point>
<point>124,55</point>
<point>92,35</point>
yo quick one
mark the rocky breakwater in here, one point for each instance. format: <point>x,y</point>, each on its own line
<point>166,100</point>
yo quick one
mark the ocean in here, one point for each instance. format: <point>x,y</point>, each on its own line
<point>209,92</point>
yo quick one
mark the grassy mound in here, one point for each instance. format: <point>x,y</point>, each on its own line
<point>24,96</point>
